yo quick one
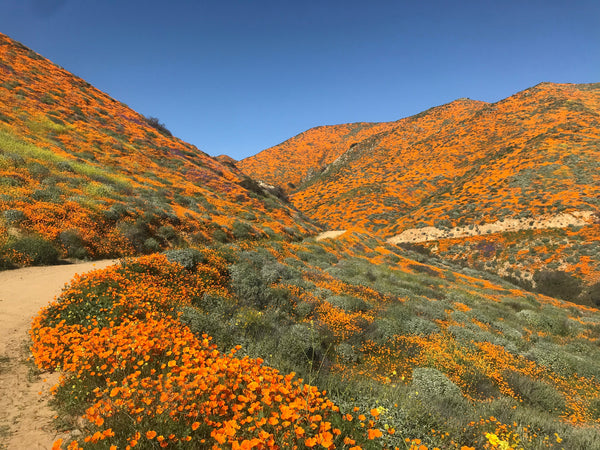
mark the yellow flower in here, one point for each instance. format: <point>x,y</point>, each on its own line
<point>492,439</point>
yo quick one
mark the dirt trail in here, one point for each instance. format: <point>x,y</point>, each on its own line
<point>25,418</point>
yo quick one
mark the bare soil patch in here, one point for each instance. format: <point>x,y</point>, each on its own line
<point>414,235</point>
<point>329,234</point>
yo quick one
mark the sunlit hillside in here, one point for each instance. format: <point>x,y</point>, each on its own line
<point>227,324</point>
<point>84,176</point>
<point>403,351</point>
<point>300,158</point>
<point>463,164</point>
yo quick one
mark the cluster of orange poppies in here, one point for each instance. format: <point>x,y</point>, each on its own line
<point>147,377</point>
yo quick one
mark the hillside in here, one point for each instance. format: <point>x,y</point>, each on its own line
<point>376,346</point>
<point>238,330</point>
<point>85,176</point>
<point>294,161</point>
<point>463,164</point>
<point>540,144</point>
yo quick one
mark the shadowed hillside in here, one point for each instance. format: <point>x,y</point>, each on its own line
<point>83,175</point>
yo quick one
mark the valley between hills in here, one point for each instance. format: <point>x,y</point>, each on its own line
<point>427,283</point>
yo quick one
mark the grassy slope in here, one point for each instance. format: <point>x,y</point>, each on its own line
<point>96,179</point>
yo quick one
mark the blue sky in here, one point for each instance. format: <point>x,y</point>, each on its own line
<point>236,77</point>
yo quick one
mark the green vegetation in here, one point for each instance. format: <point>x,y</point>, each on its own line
<point>429,345</point>
<point>33,250</point>
<point>155,123</point>
<point>558,284</point>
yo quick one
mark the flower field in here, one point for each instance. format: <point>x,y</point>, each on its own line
<point>466,162</point>
<point>521,254</point>
<point>146,380</point>
<point>463,164</point>
<point>404,354</point>
<point>225,325</point>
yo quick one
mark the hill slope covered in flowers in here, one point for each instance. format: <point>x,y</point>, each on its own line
<point>349,343</point>
<point>412,353</point>
<point>83,175</point>
<point>466,163</point>
<point>535,152</point>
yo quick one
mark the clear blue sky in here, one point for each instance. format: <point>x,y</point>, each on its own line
<point>236,77</point>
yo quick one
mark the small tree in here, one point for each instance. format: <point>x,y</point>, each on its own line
<point>156,124</point>
<point>557,283</point>
<point>593,293</point>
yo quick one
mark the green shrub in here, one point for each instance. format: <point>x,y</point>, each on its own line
<point>151,245</point>
<point>187,257</point>
<point>549,320</point>
<point>252,278</point>
<point>252,186</point>
<point>304,310</point>
<point>116,212</point>
<point>563,362</point>
<point>51,194</point>
<point>420,268</point>
<point>168,234</point>
<point>417,248</point>
<point>254,324</point>
<point>73,244</point>
<point>419,326</point>
<point>536,393</point>
<point>432,387</point>
<point>47,99</point>
<point>155,123</point>
<point>557,283</point>
<point>243,231</point>
<point>347,353</point>
<point>212,315</point>
<point>348,303</point>
<point>37,249</point>
<point>301,345</point>
<point>431,383</point>
<point>593,294</point>
<point>13,216</point>
<point>38,170</point>
<point>220,235</point>
<point>137,233</point>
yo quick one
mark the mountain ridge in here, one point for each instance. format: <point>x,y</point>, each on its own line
<point>457,126</point>
<point>462,164</point>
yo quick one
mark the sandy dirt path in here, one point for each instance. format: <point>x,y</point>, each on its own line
<point>25,417</point>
